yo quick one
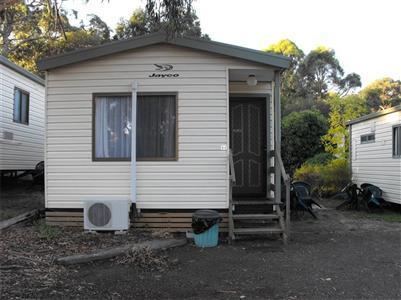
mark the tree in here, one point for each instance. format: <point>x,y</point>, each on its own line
<point>138,24</point>
<point>289,81</point>
<point>382,93</point>
<point>30,33</point>
<point>321,72</point>
<point>301,137</point>
<point>336,141</point>
<point>175,17</point>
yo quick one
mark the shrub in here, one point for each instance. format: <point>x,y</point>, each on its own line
<point>301,140</point>
<point>320,159</point>
<point>325,179</point>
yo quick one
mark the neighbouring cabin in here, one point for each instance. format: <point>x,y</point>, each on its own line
<point>192,103</point>
<point>376,151</point>
<point>22,118</point>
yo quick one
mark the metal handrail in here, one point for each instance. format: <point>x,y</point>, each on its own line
<point>287,182</point>
<point>230,197</point>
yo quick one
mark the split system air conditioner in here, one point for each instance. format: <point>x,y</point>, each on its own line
<point>106,215</point>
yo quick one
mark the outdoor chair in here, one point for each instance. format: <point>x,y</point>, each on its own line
<point>351,193</point>
<point>302,199</point>
<point>371,195</point>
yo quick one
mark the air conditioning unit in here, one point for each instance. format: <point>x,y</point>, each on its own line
<point>110,215</point>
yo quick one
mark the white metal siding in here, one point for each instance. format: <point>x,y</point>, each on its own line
<point>373,162</point>
<point>27,147</point>
<point>197,180</point>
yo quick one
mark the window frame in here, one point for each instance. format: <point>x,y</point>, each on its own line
<point>128,94</point>
<point>367,141</point>
<point>22,91</point>
<point>398,126</point>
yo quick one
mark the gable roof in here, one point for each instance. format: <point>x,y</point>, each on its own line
<point>275,60</point>
<point>375,115</point>
<point>4,61</point>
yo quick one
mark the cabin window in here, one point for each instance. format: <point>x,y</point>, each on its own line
<point>156,127</point>
<point>368,138</point>
<point>21,106</point>
<point>397,141</point>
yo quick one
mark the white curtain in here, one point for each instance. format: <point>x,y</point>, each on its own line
<point>17,105</point>
<point>113,127</point>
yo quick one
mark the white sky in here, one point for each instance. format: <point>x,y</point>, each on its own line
<point>366,34</point>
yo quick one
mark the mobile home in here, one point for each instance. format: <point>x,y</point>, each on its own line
<point>376,151</point>
<point>22,118</point>
<point>179,106</point>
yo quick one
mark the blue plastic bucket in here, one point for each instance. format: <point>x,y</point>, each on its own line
<point>209,238</point>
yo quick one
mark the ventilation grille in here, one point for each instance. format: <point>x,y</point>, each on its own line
<point>8,135</point>
<point>99,214</point>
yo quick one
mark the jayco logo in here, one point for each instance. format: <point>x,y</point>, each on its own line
<point>163,68</point>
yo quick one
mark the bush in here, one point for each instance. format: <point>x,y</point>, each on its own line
<point>325,179</point>
<point>301,137</point>
<point>320,159</point>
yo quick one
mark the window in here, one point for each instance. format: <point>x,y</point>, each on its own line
<point>21,106</point>
<point>156,127</point>
<point>397,141</point>
<point>368,138</point>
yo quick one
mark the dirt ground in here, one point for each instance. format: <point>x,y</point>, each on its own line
<point>342,255</point>
<point>19,196</point>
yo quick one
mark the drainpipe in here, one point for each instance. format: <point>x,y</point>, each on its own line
<point>133,141</point>
<point>277,136</point>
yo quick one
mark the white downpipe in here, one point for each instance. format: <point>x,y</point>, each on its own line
<point>133,141</point>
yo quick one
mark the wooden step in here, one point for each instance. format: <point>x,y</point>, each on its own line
<point>256,217</point>
<point>258,230</point>
<point>256,202</point>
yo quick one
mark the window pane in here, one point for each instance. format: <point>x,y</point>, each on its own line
<point>113,127</point>
<point>397,141</point>
<point>156,127</point>
<point>17,105</point>
<point>24,108</point>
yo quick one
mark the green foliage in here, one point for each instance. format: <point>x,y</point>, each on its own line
<point>47,232</point>
<point>382,93</point>
<point>320,71</point>
<point>301,132</point>
<point>336,141</point>
<point>145,21</point>
<point>31,30</point>
<point>326,179</point>
<point>289,81</point>
<point>320,159</point>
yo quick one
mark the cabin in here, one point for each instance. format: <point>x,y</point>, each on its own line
<point>22,119</point>
<point>375,151</point>
<point>200,118</point>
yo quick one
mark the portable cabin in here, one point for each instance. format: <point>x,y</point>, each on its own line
<point>22,118</point>
<point>376,151</point>
<point>191,101</point>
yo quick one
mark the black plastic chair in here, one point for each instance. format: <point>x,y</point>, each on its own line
<point>303,198</point>
<point>372,195</point>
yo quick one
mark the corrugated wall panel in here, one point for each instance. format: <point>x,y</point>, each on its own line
<point>197,180</point>
<point>27,147</point>
<point>373,162</point>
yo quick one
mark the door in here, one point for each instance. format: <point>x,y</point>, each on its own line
<point>248,144</point>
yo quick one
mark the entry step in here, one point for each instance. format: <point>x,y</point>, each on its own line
<point>256,202</point>
<point>256,217</point>
<point>256,230</point>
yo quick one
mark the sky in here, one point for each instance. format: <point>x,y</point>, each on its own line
<point>365,34</point>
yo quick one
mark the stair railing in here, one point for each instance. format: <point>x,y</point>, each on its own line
<point>230,195</point>
<point>287,182</point>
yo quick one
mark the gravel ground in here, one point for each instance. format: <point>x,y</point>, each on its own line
<point>343,255</point>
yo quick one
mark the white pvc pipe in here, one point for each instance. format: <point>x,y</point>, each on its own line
<point>133,141</point>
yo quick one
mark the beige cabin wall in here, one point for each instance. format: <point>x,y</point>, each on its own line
<point>198,179</point>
